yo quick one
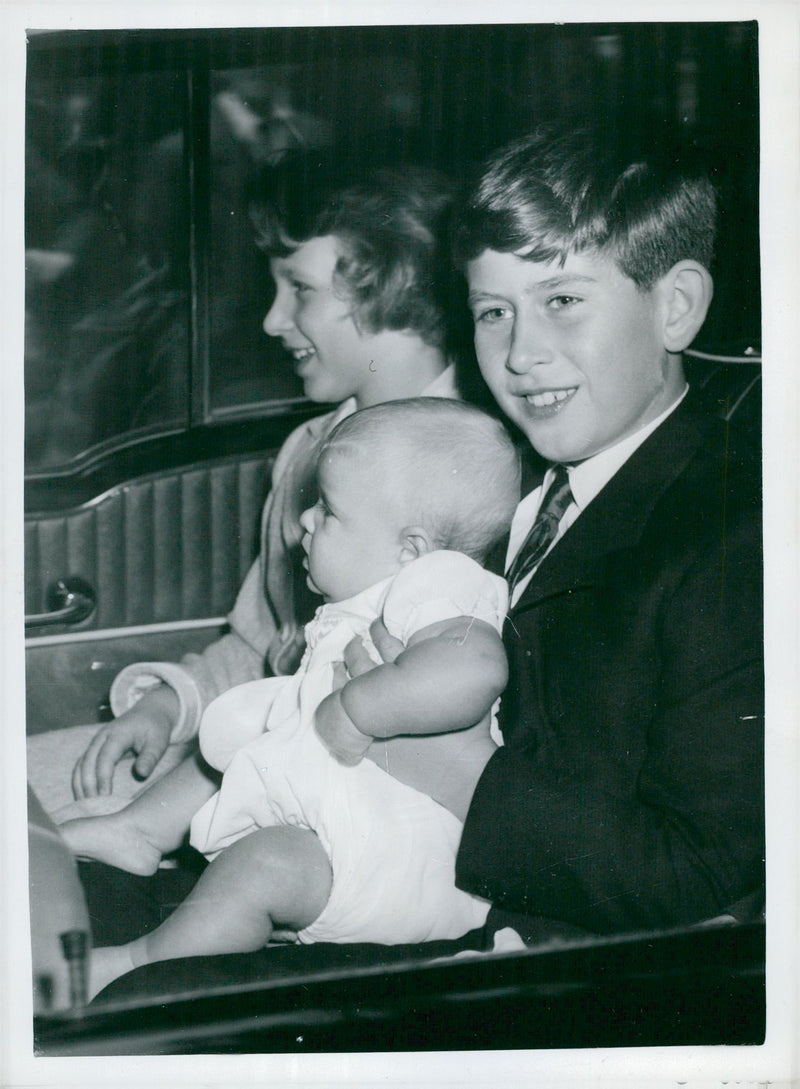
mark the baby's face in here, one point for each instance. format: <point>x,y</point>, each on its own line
<point>352,536</point>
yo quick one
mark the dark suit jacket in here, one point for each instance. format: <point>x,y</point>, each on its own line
<point>629,792</point>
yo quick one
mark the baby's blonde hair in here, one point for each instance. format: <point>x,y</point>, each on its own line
<point>451,468</point>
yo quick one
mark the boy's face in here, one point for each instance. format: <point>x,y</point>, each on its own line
<point>574,353</point>
<point>315,324</point>
<point>352,538</point>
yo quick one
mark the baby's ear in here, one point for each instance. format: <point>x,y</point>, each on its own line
<point>687,291</point>
<point>415,541</point>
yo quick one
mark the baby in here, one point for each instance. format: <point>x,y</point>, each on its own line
<point>305,835</point>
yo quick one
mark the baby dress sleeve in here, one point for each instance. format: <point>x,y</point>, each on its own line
<point>441,586</point>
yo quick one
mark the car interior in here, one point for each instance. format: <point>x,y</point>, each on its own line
<point>155,406</point>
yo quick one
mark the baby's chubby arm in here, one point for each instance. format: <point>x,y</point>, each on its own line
<point>334,727</point>
<point>446,679</point>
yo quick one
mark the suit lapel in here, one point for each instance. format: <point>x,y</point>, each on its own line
<point>616,517</point>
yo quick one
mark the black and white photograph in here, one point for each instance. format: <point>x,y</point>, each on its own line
<point>307,313</point>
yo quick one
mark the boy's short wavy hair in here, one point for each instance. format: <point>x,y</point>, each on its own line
<point>453,468</point>
<point>548,195</point>
<point>393,224</point>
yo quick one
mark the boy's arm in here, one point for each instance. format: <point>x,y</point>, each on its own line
<point>446,679</point>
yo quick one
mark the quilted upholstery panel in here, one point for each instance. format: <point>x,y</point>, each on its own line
<point>171,546</point>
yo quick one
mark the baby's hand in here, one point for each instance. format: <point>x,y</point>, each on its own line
<point>338,733</point>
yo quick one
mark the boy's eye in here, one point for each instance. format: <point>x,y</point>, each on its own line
<point>562,302</point>
<point>299,287</point>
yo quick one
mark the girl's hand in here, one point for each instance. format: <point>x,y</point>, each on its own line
<point>144,730</point>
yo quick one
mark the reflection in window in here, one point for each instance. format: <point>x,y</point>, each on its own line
<point>257,114</point>
<point>107,208</point>
<point>106,347</point>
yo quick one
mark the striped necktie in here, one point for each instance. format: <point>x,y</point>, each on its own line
<point>543,531</point>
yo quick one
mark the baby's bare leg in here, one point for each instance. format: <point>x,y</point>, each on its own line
<point>274,877</point>
<point>152,825</point>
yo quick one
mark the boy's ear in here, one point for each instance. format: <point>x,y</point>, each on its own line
<point>687,292</point>
<point>415,541</point>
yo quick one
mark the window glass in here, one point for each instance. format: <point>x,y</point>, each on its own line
<point>449,96</point>
<point>108,231</point>
<point>106,235</point>
<point>257,113</point>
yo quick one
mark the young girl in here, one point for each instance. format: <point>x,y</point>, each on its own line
<point>361,304</point>
<point>412,495</point>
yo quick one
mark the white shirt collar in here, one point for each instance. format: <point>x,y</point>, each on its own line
<point>589,477</point>
<point>443,385</point>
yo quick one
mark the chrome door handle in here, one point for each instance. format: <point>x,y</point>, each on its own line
<point>69,601</point>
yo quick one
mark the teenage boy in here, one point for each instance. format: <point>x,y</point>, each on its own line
<point>629,793</point>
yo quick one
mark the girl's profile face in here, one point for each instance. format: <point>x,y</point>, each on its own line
<point>314,321</point>
<point>351,537</point>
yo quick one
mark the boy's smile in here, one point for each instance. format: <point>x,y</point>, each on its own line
<point>574,354</point>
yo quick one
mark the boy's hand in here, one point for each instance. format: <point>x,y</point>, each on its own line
<point>358,660</point>
<point>338,733</point>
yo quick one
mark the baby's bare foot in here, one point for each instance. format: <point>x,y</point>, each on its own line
<point>114,840</point>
